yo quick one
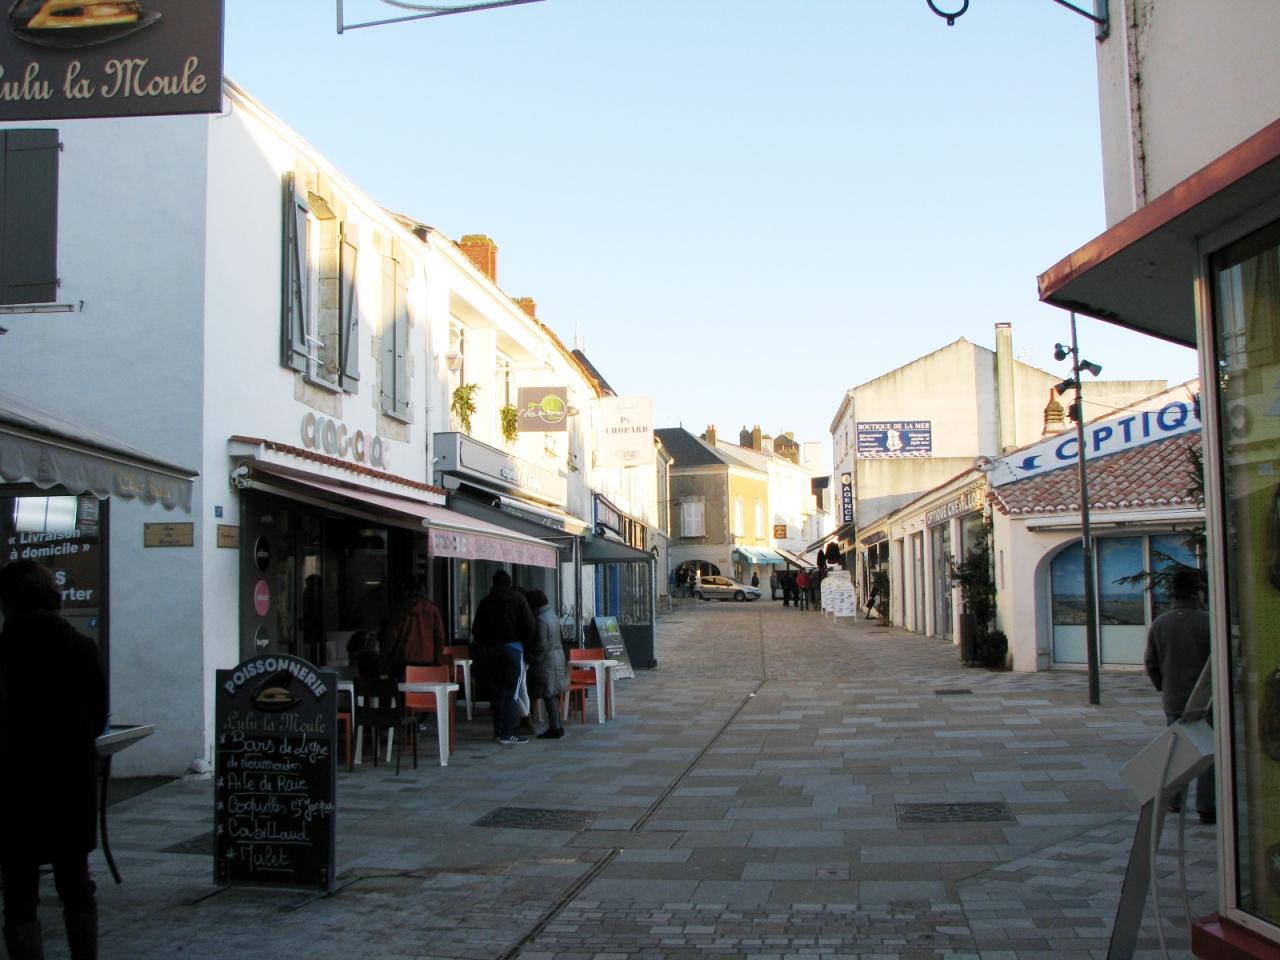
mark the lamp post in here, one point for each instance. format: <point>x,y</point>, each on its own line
<point>1061,352</point>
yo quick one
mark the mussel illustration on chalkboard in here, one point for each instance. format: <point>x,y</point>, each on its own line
<point>69,24</point>
<point>273,695</point>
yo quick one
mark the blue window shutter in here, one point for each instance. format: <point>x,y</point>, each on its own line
<point>294,323</point>
<point>349,318</point>
<point>28,216</point>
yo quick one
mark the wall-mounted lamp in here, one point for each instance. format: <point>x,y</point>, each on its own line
<point>453,360</point>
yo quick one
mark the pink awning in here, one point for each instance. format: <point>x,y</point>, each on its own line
<point>449,534</point>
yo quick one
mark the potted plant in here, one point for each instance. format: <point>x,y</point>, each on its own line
<point>880,593</point>
<point>463,404</point>
<point>980,642</point>
<point>509,417</point>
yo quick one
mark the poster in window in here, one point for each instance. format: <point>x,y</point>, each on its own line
<point>122,58</point>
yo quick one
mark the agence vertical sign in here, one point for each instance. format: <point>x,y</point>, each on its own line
<point>113,58</point>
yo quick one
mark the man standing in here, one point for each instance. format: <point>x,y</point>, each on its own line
<point>48,804</point>
<point>503,627</point>
<point>1177,649</point>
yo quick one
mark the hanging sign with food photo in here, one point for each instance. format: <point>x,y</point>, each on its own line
<point>66,59</point>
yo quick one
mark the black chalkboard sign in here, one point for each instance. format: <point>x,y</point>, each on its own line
<point>609,636</point>
<point>274,774</point>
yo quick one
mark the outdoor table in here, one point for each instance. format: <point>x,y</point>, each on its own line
<point>604,684</point>
<point>442,691</point>
<point>464,664</point>
<point>116,738</point>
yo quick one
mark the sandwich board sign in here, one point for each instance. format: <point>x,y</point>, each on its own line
<point>274,775</point>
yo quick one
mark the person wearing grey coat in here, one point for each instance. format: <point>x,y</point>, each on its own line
<point>548,675</point>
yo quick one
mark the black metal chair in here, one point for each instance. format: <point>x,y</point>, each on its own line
<point>381,707</point>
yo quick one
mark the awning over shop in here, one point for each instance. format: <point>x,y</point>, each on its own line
<point>1141,273</point>
<point>39,448</point>
<point>809,559</point>
<point>761,556</point>
<point>604,550</point>
<point>449,533</point>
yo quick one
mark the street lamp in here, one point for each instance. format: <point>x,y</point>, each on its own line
<point>1061,352</point>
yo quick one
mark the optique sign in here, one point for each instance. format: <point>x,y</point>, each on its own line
<point>1101,439</point>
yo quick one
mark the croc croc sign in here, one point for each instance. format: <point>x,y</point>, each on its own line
<point>66,59</point>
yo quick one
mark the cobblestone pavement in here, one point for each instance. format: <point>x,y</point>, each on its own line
<point>780,786</point>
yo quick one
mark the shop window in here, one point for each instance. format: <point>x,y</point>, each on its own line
<point>320,321</point>
<point>1245,287</point>
<point>395,335</point>
<point>28,216</point>
<point>1170,550</point>
<point>66,534</point>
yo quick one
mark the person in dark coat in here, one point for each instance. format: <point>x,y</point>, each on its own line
<point>57,706</point>
<point>1177,650</point>
<point>548,675</point>
<point>503,627</point>
<point>415,634</point>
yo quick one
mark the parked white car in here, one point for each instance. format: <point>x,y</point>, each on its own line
<point>722,588</point>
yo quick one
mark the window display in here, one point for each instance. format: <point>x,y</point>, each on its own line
<point>1246,315</point>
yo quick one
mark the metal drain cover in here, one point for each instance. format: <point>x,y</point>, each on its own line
<point>952,693</point>
<point>997,812</point>
<point>534,818</point>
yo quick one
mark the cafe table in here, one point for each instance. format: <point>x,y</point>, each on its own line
<point>464,664</point>
<point>115,738</point>
<point>442,690</point>
<point>604,670</point>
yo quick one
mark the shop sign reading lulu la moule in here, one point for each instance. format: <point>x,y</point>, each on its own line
<point>68,59</point>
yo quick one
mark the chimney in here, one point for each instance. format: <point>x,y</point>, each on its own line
<point>483,252</point>
<point>528,306</point>
<point>756,437</point>
<point>744,438</point>
<point>1006,409</point>
<point>1053,415</point>
<point>710,435</point>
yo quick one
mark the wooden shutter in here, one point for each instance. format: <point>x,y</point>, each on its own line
<point>294,320</point>
<point>403,409</point>
<point>348,318</point>
<point>28,216</point>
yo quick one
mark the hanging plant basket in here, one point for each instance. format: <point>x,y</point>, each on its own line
<point>509,417</point>
<point>463,404</point>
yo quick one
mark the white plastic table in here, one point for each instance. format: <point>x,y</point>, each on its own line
<point>442,691</point>
<point>604,681</point>
<point>464,664</point>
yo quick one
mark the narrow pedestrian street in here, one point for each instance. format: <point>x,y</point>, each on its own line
<point>780,786</point>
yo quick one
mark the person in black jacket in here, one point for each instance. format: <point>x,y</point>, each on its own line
<point>57,706</point>
<point>503,627</point>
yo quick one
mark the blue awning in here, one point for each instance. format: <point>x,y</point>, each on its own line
<point>760,556</point>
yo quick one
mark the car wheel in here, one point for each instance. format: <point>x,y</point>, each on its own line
<point>739,596</point>
<point>699,596</point>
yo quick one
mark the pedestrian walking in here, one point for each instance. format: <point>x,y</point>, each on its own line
<point>802,589</point>
<point>773,585</point>
<point>503,627</point>
<point>1177,650</point>
<point>48,803</point>
<point>548,674</point>
<point>755,579</point>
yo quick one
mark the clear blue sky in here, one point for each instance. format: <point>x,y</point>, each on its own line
<point>739,207</point>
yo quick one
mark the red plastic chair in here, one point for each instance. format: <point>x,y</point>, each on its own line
<point>581,682</point>
<point>426,702</point>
